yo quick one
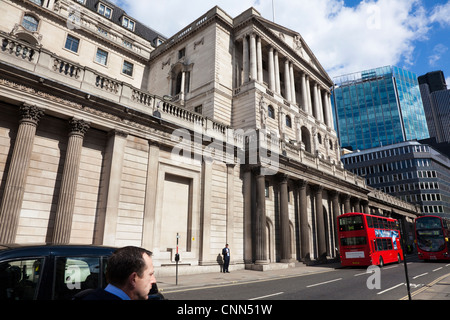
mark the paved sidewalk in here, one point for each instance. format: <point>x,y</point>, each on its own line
<point>438,290</point>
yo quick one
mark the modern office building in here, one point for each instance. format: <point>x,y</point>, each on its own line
<point>412,171</point>
<point>378,107</point>
<point>436,102</point>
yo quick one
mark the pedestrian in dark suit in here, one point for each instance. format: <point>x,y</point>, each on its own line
<point>226,258</point>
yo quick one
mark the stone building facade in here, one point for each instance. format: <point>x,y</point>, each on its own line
<point>111,134</point>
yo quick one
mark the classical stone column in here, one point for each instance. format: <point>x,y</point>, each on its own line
<point>277,73</point>
<point>319,99</point>
<point>260,220</point>
<point>304,229</point>
<point>308,96</point>
<point>316,102</point>
<point>335,205</point>
<point>292,80</point>
<point>247,189</point>
<point>321,238</point>
<point>69,181</point>
<point>304,96</point>
<point>253,62</point>
<point>259,59</point>
<point>326,114</point>
<point>18,171</point>
<point>347,205</point>
<point>286,254</point>
<point>271,70</point>
<point>245,63</point>
<point>287,81</point>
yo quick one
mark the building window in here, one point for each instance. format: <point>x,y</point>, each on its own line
<point>288,122</point>
<point>102,31</point>
<point>30,23</point>
<point>182,53</point>
<point>38,2</point>
<point>128,23</point>
<point>101,57</point>
<point>127,68</point>
<point>72,43</point>
<point>198,109</point>
<point>127,44</point>
<point>271,112</point>
<point>104,10</point>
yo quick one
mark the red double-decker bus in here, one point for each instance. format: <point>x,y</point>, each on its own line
<point>432,233</point>
<point>366,240</point>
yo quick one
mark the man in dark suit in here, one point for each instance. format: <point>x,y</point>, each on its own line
<point>130,276</point>
<point>226,258</point>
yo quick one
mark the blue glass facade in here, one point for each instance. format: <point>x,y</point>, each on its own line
<point>378,107</point>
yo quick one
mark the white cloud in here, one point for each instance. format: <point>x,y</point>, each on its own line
<point>441,14</point>
<point>438,51</point>
<point>375,33</point>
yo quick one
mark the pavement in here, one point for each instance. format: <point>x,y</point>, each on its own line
<point>437,290</point>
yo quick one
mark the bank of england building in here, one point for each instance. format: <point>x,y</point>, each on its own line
<point>112,134</point>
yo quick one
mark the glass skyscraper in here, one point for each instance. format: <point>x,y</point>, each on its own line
<point>378,107</point>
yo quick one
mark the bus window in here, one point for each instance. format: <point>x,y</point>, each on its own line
<point>351,223</point>
<point>369,222</point>
<point>354,241</point>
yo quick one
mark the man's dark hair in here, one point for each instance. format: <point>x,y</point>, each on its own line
<point>125,261</point>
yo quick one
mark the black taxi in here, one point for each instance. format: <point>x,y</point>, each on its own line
<point>53,272</point>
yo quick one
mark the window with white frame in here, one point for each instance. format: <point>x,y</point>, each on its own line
<point>128,23</point>
<point>72,43</point>
<point>101,57</point>
<point>104,10</point>
<point>127,68</point>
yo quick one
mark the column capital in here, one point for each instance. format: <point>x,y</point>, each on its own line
<point>30,113</point>
<point>302,184</point>
<point>78,127</point>
<point>283,178</point>
<point>317,188</point>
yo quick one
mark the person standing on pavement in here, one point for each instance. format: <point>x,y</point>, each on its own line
<point>226,258</point>
<point>130,276</point>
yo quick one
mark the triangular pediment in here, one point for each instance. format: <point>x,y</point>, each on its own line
<point>296,42</point>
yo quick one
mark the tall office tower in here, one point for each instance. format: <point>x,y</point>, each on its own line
<point>436,102</point>
<point>378,107</point>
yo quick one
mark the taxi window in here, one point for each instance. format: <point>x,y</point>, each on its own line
<point>74,274</point>
<point>19,279</point>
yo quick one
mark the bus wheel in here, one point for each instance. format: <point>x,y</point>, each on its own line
<point>381,263</point>
<point>399,259</point>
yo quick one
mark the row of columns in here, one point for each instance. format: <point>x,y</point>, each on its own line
<point>259,244</point>
<point>18,172</point>
<point>315,100</point>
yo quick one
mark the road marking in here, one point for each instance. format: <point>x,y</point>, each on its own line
<point>269,295</point>
<point>391,267</point>
<point>426,287</point>
<point>420,275</point>
<point>437,269</point>
<point>401,284</point>
<point>319,284</point>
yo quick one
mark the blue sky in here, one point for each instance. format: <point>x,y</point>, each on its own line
<point>345,35</point>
